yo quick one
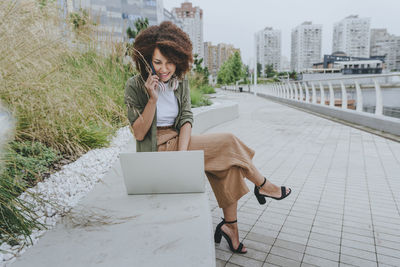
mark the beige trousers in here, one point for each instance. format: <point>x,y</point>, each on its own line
<point>227,161</point>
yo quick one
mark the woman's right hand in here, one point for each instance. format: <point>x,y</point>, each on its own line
<point>151,86</point>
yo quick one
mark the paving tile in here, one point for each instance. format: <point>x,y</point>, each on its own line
<point>371,256</point>
<point>325,231</point>
<point>261,238</point>
<point>365,226</point>
<point>266,264</point>
<point>230,264</point>
<point>293,238</point>
<point>220,263</point>
<point>388,251</point>
<point>383,236</point>
<point>341,264</point>
<point>244,226</point>
<point>268,225</point>
<point>290,245</point>
<point>358,231</point>
<point>248,216</point>
<point>294,231</point>
<point>384,259</point>
<point>322,253</point>
<point>244,261</point>
<point>303,264</point>
<point>256,245</point>
<point>255,254</point>
<point>359,245</point>
<point>325,238</point>
<point>251,210</point>
<point>287,253</point>
<point>323,245</point>
<point>222,255</point>
<point>388,244</point>
<point>356,261</point>
<point>297,225</point>
<point>281,261</point>
<point>319,261</point>
<point>264,231</point>
<point>359,238</point>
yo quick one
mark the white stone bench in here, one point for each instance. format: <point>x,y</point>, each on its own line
<point>110,228</point>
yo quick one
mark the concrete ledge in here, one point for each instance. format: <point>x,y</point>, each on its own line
<point>110,228</point>
<point>381,123</point>
<point>208,118</point>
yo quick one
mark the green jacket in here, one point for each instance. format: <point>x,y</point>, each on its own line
<point>136,98</point>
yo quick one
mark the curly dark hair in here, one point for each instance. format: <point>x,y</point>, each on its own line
<point>172,42</point>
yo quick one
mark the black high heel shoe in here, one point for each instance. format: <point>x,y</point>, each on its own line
<point>219,233</point>
<point>261,197</point>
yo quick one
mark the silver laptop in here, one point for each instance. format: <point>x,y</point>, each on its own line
<point>163,172</point>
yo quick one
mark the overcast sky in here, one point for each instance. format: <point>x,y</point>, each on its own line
<point>236,21</point>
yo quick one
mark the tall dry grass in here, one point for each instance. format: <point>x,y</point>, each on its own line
<point>64,93</point>
<point>67,98</point>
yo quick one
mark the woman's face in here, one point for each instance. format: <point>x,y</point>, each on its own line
<point>163,67</point>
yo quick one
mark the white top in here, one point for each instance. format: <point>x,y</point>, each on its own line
<point>167,107</point>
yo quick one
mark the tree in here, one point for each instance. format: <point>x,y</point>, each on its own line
<point>140,24</point>
<point>269,70</point>
<point>246,73</point>
<point>293,75</point>
<point>259,67</point>
<point>231,70</point>
<point>237,67</point>
<point>201,73</point>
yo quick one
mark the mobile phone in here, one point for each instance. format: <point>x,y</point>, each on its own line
<point>152,68</point>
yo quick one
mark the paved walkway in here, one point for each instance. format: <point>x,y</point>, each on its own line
<point>344,209</point>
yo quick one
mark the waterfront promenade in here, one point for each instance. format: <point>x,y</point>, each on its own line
<point>344,209</point>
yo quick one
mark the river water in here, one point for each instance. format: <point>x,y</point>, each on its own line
<point>390,99</point>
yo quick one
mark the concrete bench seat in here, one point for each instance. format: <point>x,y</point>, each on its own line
<point>110,228</point>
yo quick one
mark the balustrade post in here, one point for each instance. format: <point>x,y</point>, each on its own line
<point>344,95</point>
<point>314,94</point>
<point>301,92</point>
<point>295,92</point>
<point>307,94</point>
<point>331,95</point>
<point>321,87</point>
<point>286,90</point>
<point>290,91</point>
<point>359,107</point>
<point>378,93</point>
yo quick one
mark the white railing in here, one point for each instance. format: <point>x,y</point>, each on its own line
<point>321,91</point>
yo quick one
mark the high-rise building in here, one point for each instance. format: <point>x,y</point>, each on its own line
<point>169,16</point>
<point>306,46</point>
<point>210,58</point>
<point>352,36</point>
<point>216,55</point>
<point>192,22</point>
<point>268,48</point>
<point>385,44</point>
<point>115,16</point>
<point>224,52</point>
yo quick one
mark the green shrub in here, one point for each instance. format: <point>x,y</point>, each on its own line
<point>23,165</point>
<point>26,162</point>
<point>207,89</point>
<point>198,99</point>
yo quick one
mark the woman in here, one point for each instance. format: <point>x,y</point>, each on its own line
<point>159,111</point>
